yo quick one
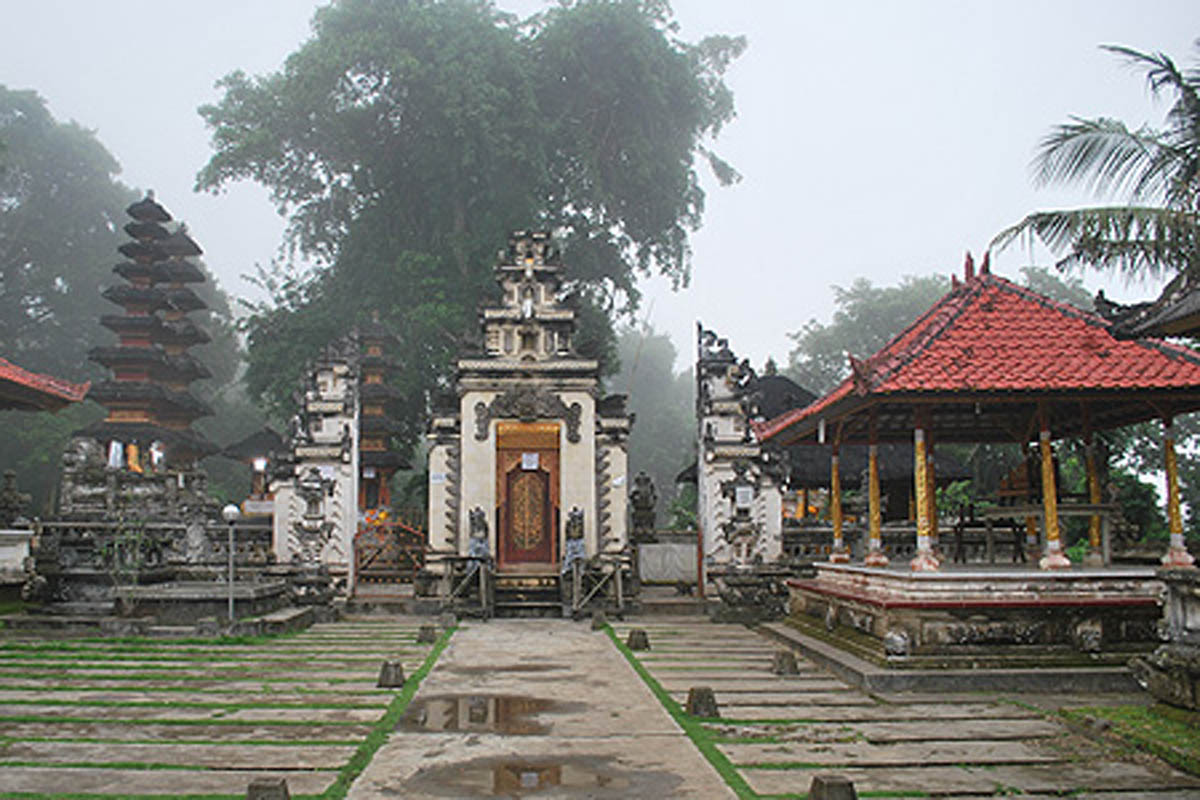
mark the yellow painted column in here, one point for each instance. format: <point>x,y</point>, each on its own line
<point>840,553</point>
<point>875,556</point>
<point>1054,557</point>
<point>1177,554</point>
<point>923,561</point>
<point>931,495</point>
<point>1094,557</point>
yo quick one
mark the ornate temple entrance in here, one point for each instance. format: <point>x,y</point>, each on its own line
<point>527,491</point>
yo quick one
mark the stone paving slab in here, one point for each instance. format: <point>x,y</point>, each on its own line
<point>868,713</point>
<point>202,685</point>
<point>150,731</point>
<point>726,698</point>
<point>903,754</point>
<point>227,756</point>
<point>1000,779</point>
<point>125,712</point>
<point>124,782</point>
<point>916,731</point>
<point>379,697</point>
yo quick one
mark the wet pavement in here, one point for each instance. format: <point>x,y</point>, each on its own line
<point>539,709</point>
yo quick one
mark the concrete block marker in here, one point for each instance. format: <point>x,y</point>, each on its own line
<point>638,639</point>
<point>268,789</point>
<point>831,787</point>
<point>391,675</point>
<point>599,620</point>
<point>784,663</point>
<point>702,702</point>
<point>427,634</point>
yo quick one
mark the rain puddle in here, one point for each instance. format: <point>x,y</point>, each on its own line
<point>487,670</point>
<point>481,713</point>
<point>524,778</point>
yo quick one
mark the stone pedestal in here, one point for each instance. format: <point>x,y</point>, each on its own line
<point>1172,672</point>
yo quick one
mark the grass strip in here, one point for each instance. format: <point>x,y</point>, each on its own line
<point>700,736</point>
<point>387,723</point>
<point>161,743</point>
<point>1172,734</point>
<point>145,766</point>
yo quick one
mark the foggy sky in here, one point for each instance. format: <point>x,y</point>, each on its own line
<point>876,139</point>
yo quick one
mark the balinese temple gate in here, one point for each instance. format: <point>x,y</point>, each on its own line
<point>527,470</point>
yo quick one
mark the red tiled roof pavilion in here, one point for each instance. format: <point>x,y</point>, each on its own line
<point>32,391</point>
<point>981,359</point>
<point>996,362</point>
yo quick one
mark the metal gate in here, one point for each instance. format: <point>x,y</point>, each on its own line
<point>389,551</point>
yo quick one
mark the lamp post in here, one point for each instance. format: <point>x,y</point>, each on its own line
<point>231,514</point>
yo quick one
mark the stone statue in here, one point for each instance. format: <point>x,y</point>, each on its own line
<point>12,502</point>
<point>576,551</point>
<point>477,545</point>
<point>643,499</point>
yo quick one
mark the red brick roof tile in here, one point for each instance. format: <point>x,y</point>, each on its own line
<point>20,388</point>
<point>990,336</point>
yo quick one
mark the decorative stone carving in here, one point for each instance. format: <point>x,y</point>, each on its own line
<point>527,404</point>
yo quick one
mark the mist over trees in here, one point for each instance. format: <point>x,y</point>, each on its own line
<point>663,442</point>
<point>61,212</point>
<point>407,140</point>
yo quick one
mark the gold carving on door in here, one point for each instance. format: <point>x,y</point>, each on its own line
<point>528,510</point>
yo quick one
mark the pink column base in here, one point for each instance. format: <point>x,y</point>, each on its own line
<point>1178,557</point>
<point>1054,559</point>
<point>924,561</point>
<point>840,556</point>
<point>875,558</point>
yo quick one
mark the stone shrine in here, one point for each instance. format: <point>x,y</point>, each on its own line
<point>739,488</point>
<point>528,440</point>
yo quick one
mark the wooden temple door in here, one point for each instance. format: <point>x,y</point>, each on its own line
<point>527,487</point>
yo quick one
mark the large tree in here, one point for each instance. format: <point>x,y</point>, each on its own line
<point>407,139</point>
<point>1155,172</point>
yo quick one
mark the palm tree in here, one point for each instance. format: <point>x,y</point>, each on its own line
<point>1157,172</point>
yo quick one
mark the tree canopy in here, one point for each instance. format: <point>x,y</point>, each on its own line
<point>1155,171</point>
<point>407,139</point>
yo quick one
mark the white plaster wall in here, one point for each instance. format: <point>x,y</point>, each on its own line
<point>478,463</point>
<point>577,473</point>
<point>769,503</point>
<point>618,495</point>
<point>285,504</point>
<point>440,534</point>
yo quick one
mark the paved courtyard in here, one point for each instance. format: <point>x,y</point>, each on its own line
<point>513,708</point>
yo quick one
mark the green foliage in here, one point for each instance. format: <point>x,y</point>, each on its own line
<point>407,140</point>
<point>1172,734</point>
<point>865,319</point>
<point>1156,170</point>
<point>683,513</point>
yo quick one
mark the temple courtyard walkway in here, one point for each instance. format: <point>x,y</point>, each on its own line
<point>514,708</point>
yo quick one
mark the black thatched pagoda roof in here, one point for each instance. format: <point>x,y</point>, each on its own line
<point>146,324</point>
<point>151,395</point>
<point>181,298</point>
<point>379,392</point>
<point>148,298</point>
<point>383,459</point>
<point>146,229</point>
<point>378,424</point>
<point>147,210</point>
<point>182,332</point>
<point>180,244</point>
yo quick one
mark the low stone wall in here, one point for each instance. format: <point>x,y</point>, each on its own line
<point>984,617</point>
<point>664,562</point>
<point>1172,672</point>
<point>185,603</point>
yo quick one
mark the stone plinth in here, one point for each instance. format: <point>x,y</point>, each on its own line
<point>980,617</point>
<point>184,603</point>
<point>1172,672</point>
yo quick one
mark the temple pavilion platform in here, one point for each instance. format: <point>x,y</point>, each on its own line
<point>983,618</point>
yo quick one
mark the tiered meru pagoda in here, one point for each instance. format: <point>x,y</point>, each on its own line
<point>150,409</point>
<point>377,460</point>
